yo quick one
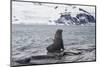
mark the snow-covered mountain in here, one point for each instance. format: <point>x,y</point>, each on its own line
<point>52,14</point>
<point>82,17</point>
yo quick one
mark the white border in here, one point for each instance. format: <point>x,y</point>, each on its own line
<point>5,33</point>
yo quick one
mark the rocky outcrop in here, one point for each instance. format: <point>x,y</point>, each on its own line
<point>80,18</point>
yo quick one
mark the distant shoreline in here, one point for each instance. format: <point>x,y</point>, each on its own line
<point>51,25</point>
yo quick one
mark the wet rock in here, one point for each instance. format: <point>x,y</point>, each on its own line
<point>42,57</point>
<point>87,50</point>
<point>24,61</point>
<point>72,53</point>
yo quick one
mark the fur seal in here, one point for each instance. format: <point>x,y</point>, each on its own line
<point>57,42</point>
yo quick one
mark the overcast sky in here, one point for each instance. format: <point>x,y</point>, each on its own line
<point>27,12</point>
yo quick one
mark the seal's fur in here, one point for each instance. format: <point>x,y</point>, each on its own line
<point>57,43</point>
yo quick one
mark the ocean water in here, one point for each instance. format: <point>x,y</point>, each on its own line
<point>32,40</point>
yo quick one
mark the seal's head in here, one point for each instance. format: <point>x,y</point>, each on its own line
<point>59,31</point>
